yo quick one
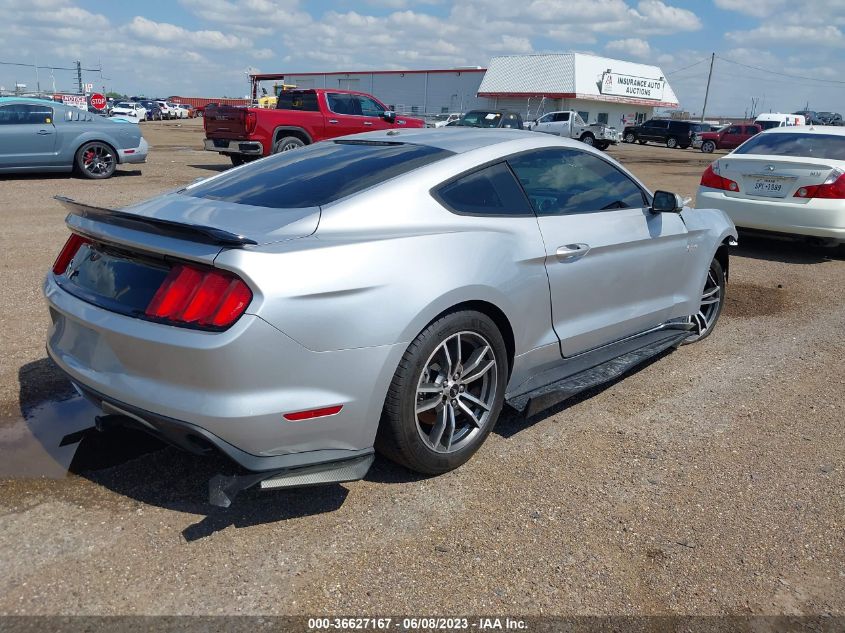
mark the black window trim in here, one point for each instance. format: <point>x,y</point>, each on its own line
<point>435,191</point>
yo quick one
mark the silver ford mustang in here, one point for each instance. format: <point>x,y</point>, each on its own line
<point>388,291</point>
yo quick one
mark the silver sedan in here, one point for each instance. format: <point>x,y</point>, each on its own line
<point>389,291</point>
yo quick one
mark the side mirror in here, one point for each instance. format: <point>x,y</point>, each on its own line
<point>389,116</point>
<point>667,202</point>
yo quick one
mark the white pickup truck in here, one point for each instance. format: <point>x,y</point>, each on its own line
<point>570,124</point>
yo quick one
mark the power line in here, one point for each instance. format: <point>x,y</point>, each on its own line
<point>677,70</point>
<point>95,70</point>
<point>774,72</point>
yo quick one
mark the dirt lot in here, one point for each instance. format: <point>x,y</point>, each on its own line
<point>711,481</point>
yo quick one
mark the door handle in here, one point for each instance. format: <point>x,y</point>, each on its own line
<point>368,122</point>
<point>332,120</point>
<point>44,132</point>
<point>572,251</point>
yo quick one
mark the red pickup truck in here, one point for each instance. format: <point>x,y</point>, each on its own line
<point>728,137</point>
<point>301,117</point>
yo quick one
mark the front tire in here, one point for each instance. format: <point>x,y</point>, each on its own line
<point>712,301</point>
<point>671,142</point>
<point>630,138</point>
<point>446,395</point>
<point>708,147</point>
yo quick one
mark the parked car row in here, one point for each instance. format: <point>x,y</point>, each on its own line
<point>152,110</point>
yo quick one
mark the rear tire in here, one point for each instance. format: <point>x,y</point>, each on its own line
<point>287,144</point>
<point>236,159</point>
<point>641,142</point>
<point>588,139</point>
<point>446,395</point>
<point>602,145</point>
<point>96,160</point>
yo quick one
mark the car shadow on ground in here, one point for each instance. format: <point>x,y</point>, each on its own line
<point>118,173</point>
<point>213,167</point>
<point>785,250</point>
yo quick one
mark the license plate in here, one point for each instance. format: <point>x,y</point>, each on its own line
<point>767,186</point>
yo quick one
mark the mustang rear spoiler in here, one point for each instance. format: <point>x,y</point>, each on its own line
<point>167,228</point>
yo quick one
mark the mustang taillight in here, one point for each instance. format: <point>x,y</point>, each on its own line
<point>832,188</point>
<point>711,178</point>
<point>71,247</point>
<point>205,297</point>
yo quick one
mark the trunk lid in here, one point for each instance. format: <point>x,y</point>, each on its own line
<point>225,122</point>
<point>194,228</point>
<point>770,177</point>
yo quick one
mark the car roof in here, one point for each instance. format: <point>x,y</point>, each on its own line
<point>827,130</point>
<point>459,139</point>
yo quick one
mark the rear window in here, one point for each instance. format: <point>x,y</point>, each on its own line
<point>303,101</point>
<point>827,146</point>
<point>317,174</point>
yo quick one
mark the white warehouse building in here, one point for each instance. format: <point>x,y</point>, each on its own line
<point>601,89</point>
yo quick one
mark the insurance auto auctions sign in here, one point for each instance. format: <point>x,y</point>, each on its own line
<point>630,86</point>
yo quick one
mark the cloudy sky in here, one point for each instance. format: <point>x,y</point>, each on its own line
<point>204,47</point>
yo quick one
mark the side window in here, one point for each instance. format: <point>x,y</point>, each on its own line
<point>22,113</point>
<point>567,181</point>
<point>650,123</point>
<point>584,115</point>
<point>343,103</point>
<point>301,101</point>
<point>751,130</point>
<point>562,117</point>
<point>489,191</point>
<point>603,117</point>
<point>369,107</point>
<point>546,119</point>
<point>735,129</point>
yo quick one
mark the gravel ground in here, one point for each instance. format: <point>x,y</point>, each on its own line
<point>710,481</point>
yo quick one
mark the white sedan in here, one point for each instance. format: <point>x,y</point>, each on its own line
<point>788,180</point>
<point>129,110</point>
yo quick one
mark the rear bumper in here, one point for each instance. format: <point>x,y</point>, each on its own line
<point>195,439</point>
<point>135,154</point>
<point>231,388</point>
<point>815,218</point>
<point>226,146</point>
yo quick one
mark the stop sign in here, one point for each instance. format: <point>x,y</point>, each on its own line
<point>98,101</point>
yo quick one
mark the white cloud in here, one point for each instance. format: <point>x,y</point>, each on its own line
<point>631,47</point>
<point>145,29</point>
<point>774,35</point>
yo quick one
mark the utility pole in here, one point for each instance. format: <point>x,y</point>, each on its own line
<point>79,77</point>
<point>707,91</point>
